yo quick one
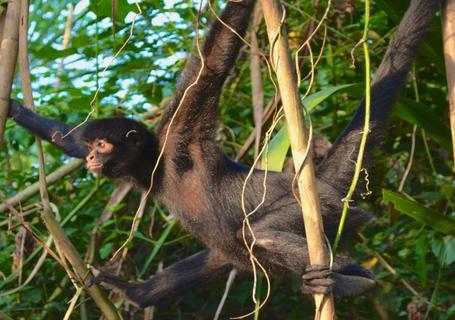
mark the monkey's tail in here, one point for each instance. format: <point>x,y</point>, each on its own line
<point>338,167</point>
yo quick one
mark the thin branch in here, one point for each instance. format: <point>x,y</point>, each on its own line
<point>65,42</point>
<point>227,288</point>
<point>410,160</point>
<point>413,136</point>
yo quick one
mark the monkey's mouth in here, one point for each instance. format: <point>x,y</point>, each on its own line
<point>95,167</point>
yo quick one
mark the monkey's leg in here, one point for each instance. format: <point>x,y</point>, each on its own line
<point>290,252</point>
<point>192,272</point>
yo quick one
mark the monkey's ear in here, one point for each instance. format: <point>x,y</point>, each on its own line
<point>133,137</point>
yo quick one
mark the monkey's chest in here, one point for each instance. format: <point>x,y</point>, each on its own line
<point>195,207</point>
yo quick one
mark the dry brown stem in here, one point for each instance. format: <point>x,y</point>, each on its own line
<point>298,136</point>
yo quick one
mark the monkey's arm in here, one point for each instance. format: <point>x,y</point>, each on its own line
<point>337,169</point>
<point>198,113</point>
<point>190,273</point>
<point>47,129</point>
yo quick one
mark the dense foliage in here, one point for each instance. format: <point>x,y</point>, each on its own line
<point>414,261</point>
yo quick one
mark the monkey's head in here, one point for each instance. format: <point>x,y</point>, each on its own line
<point>116,146</point>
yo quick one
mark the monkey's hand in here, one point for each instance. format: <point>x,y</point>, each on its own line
<point>317,279</point>
<point>134,292</point>
<point>349,281</point>
<point>15,109</point>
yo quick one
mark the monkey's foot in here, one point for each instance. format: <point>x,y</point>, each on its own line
<point>317,279</point>
<point>131,291</point>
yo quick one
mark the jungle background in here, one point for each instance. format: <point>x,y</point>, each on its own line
<point>405,246</point>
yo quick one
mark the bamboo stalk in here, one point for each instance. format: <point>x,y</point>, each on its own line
<point>448,32</point>
<point>62,242</point>
<point>298,136</point>
<point>8,56</point>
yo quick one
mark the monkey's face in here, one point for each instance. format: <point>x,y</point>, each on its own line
<point>100,152</point>
<point>115,157</point>
<point>115,147</point>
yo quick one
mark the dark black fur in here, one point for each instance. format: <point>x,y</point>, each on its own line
<point>202,187</point>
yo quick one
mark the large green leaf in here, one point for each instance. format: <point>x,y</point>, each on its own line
<point>418,212</point>
<point>279,145</point>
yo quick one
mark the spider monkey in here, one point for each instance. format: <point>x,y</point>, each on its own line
<point>202,187</point>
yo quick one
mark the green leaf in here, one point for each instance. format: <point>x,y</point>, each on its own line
<point>421,251</point>
<point>437,246</point>
<point>278,149</point>
<point>418,212</point>
<point>157,247</point>
<point>419,114</point>
<point>279,144</point>
<point>50,53</point>
<point>106,250</point>
<point>449,245</point>
<point>451,310</point>
<point>316,98</point>
<point>444,250</point>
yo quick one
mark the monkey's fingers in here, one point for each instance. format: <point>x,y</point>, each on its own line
<point>317,279</point>
<point>107,280</point>
<point>316,271</point>
<point>317,286</point>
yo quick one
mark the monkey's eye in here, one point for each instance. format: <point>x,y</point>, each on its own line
<point>103,146</point>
